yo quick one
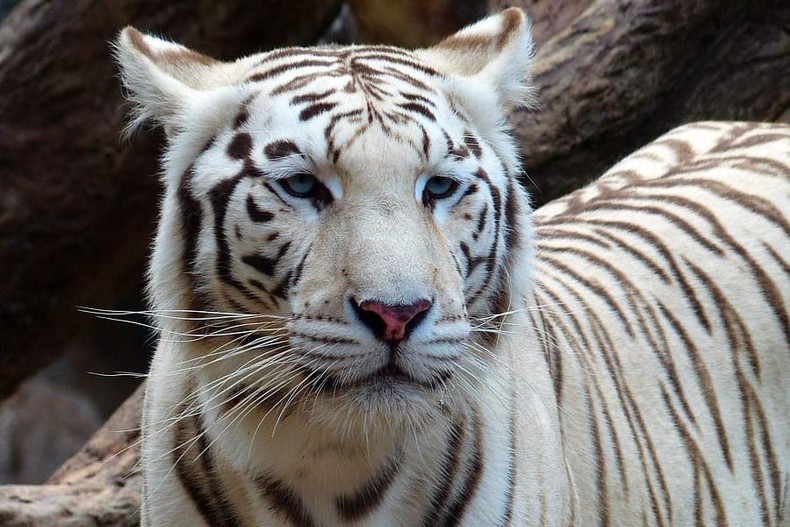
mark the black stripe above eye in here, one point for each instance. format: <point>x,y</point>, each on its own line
<point>280,149</point>
<point>240,146</point>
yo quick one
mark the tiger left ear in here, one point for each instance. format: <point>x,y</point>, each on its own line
<point>498,51</point>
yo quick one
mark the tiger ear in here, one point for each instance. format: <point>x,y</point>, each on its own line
<point>497,52</point>
<point>162,78</point>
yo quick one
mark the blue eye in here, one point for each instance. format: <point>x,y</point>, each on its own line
<point>439,187</point>
<point>301,185</point>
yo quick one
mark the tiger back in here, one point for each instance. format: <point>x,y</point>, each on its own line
<point>665,307</point>
<point>359,324</point>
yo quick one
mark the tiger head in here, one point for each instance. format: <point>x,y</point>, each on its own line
<point>341,224</point>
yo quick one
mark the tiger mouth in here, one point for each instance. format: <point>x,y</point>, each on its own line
<point>390,375</point>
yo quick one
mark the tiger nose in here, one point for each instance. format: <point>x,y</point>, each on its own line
<point>391,323</point>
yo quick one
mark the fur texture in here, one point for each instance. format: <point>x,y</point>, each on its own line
<point>350,328</point>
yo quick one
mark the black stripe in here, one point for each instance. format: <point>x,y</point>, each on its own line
<point>280,149</point>
<point>316,109</point>
<point>594,288</point>
<point>472,144</point>
<point>420,98</point>
<point>289,66</point>
<point>312,97</point>
<point>264,264</point>
<point>285,502</point>
<point>633,416</point>
<point>240,147</point>
<point>219,197</point>
<point>491,260</point>
<point>706,384</point>
<point>419,108</point>
<point>457,508</point>
<point>400,61</point>
<point>192,220</point>
<point>195,470</point>
<point>352,508</point>
<point>510,494</point>
<point>600,463</point>
<point>257,214</point>
<point>448,472</point>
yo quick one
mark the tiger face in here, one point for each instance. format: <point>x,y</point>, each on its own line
<point>353,212</point>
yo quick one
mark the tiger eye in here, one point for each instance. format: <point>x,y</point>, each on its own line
<point>301,185</point>
<point>438,187</point>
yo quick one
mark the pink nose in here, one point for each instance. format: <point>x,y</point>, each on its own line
<point>392,322</point>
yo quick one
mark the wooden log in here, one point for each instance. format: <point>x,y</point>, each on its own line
<point>100,485</point>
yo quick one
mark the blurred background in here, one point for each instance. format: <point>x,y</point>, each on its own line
<point>78,205</point>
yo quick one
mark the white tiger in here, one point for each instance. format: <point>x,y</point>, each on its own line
<point>357,326</point>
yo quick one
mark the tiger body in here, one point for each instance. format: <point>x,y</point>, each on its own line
<point>355,328</point>
<point>664,291</point>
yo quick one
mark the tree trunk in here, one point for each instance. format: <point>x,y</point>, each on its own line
<point>613,75</point>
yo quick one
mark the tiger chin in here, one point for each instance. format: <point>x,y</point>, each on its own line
<point>342,279</point>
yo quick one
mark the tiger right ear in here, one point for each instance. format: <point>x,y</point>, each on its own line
<point>497,52</point>
<point>162,77</point>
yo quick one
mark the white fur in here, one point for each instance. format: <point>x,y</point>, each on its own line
<point>377,241</point>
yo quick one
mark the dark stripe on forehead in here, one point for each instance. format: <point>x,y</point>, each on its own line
<point>244,112</point>
<point>289,66</point>
<point>301,52</point>
<point>418,98</point>
<point>330,52</point>
<point>312,97</point>
<point>316,109</point>
<point>241,118</point>
<point>409,79</point>
<point>388,58</point>
<point>471,143</point>
<point>300,81</point>
<point>419,108</point>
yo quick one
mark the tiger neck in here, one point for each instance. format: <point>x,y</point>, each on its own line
<point>335,479</point>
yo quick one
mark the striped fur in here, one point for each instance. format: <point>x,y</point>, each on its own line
<point>666,294</point>
<point>622,364</point>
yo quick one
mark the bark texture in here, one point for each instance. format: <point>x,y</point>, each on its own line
<point>99,486</point>
<point>78,207</point>
<point>623,72</point>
